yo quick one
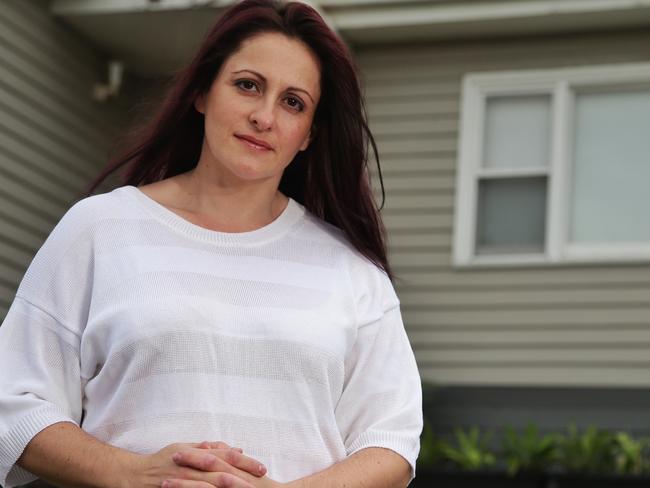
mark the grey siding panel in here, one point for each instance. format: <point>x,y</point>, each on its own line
<point>32,201</point>
<point>23,159</point>
<point>46,140</point>
<point>411,161</point>
<point>28,99</point>
<point>518,278</point>
<point>42,45</point>
<point>15,252</point>
<point>60,91</point>
<point>10,273</point>
<point>54,138</point>
<point>542,319</point>
<point>581,325</point>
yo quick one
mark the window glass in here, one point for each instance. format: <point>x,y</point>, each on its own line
<point>610,197</point>
<point>517,131</point>
<point>511,215</point>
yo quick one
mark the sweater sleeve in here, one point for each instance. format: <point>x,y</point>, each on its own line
<point>40,377</point>
<point>381,403</point>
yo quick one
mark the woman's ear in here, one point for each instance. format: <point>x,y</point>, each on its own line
<point>199,104</point>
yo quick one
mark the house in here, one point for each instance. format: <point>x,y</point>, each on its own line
<point>514,139</point>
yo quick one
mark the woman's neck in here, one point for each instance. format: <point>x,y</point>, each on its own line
<point>209,204</point>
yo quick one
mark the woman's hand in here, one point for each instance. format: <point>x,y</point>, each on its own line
<point>190,466</point>
<point>250,471</point>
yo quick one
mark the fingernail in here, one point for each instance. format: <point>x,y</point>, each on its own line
<point>262,469</point>
<point>165,484</point>
<point>176,457</point>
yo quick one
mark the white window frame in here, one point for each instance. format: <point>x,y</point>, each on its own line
<point>560,85</point>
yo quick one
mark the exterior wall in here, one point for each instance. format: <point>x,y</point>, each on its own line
<point>587,325</point>
<point>53,136</point>
<point>564,326</point>
<point>551,409</point>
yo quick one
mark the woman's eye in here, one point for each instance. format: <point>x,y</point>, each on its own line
<point>295,104</point>
<point>246,85</point>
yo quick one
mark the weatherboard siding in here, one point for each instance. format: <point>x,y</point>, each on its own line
<point>53,136</point>
<point>581,325</point>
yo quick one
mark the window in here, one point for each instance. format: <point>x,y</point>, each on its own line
<point>554,166</point>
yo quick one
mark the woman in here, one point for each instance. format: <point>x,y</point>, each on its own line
<point>235,289</point>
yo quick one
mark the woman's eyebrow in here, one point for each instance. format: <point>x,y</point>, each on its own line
<point>263,78</point>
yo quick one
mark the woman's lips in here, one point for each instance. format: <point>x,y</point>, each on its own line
<point>254,143</point>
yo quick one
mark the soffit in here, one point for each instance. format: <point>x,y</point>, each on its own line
<point>153,38</point>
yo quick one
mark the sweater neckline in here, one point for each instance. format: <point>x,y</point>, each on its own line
<point>291,214</point>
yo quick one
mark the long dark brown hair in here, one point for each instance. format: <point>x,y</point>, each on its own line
<point>330,178</point>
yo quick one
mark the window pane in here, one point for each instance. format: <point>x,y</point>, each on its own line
<point>517,131</point>
<point>511,215</point>
<point>610,201</point>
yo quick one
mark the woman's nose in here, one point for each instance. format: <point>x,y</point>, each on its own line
<point>262,117</point>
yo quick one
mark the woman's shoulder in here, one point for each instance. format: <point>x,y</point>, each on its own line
<point>372,288</point>
<point>95,208</point>
<point>69,249</point>
<point>88,214</point>
<point>319,231</point>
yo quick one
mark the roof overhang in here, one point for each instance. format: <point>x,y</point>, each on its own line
<point>153,37</point>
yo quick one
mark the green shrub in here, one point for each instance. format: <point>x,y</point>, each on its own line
<point>528,450</point>
<point>430,452</point>
<point>631,456</point>
<point>590,451</point>
<point>470,451</point>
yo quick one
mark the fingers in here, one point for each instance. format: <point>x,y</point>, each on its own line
<point>174,483</point>
<point>203,461</point>
<point>243,462</point>
<point>203,445</point>
<point>219,460</point>
<point>213,445</point>
<point>220,480</point>
<point>217,445</point>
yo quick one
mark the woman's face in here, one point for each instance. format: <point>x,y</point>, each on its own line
<point>259,109</point>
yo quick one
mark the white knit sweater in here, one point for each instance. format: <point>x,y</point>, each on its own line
<point>146,329</point>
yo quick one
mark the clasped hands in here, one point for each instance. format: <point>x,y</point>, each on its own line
<point>204,465</point>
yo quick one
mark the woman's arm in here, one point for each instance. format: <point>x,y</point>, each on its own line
<point>66,456</point>
<point>373,467</point>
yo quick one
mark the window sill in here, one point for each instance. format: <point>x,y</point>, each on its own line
<point>570,259</point>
